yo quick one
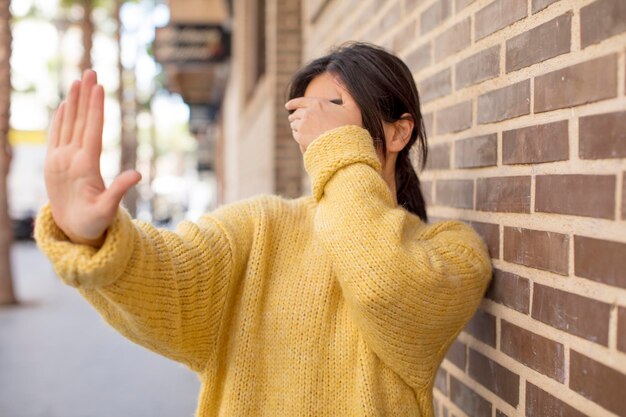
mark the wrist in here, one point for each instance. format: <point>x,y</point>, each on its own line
<point>95,243</point>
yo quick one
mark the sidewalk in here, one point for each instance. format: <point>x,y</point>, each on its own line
<point>58,358</point>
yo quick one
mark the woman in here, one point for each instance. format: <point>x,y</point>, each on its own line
<point>341,303</point>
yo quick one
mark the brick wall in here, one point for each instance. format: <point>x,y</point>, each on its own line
<point>525,107</point>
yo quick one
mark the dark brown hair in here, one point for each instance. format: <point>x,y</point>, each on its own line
<point>384,89</point>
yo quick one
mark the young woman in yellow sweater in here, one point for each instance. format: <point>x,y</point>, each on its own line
<point>339,303</point>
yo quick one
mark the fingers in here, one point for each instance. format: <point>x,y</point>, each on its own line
<point>94,123</point>
<point>295,125</point>
<point>70,114</point>
<point>86,89</point>
<point>55,128</point>
<point>296,103</point>
<point>124,182</point>
<point>303,102</point>
<point>296,114</point>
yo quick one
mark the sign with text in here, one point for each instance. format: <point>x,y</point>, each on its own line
<point>180,44</point>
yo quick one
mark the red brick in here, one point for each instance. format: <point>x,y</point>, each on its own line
<point>597,382</point>
<point>497,15</point>
<point>510,290</point>
<point>454,118</point>
<point>427,191</point>
<point>536,249</point>
<point>546,41</point>
<point>349,30</point>
<point>456,354</point>
<point>483,327</point>
<point>536,144</point>
<point>479,151</point>
<point>578,195</point>
<point>524,346</point>
<point>624,196</point>
<point>373,33</point>
<point>461,4</point>
<point>600,260</point>
<point>500,414</point>
<point>541,404</point>
<point>434,15</point>
<point>578,84</point>
<point>478,67</point>
<point>438,157</point>
<point>575,314</point>
<point>419,59</point>
<point>504,103</point>
<point>428,123</point>
<point>404,37</point>
<point>452,40</point>
<point>441,382</point>
<point>621,329</point>
<point>602,136</point>
<point>435,86</point>
<point>601,20</point>
<point>436,219</point>
<point>391,18</point>
<point>467,400</point>
<point>494,377</point>
<point>409,5</point>
<point>491,235</point>
<point>504,194</point>
<point>455,193</point>
<point>538,5</point>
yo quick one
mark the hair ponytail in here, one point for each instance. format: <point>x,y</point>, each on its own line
<point>408,190</point>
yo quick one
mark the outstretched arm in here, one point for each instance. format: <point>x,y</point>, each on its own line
<point>163,290</point>
<point>410,287</point>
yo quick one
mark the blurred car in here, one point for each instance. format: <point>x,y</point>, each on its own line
<point>23,226</point>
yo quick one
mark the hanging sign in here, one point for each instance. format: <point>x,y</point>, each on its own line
<point>180,43</point>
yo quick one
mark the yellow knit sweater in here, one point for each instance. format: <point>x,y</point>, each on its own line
<point>334,304</point>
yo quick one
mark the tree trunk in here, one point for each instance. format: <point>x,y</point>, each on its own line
<point>7,293</point>
<point>87,27</point>
<point>127,93</point>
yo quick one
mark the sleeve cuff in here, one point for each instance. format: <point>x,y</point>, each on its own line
<point>333,150</point>
<point>80,265</point>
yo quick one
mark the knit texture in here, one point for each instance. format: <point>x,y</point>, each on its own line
<point>335,304</point>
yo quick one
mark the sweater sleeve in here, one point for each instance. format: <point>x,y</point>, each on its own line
<point>410,287</point>
<point>161,289</point>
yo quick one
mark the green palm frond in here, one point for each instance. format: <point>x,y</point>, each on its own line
<point>94,3</point>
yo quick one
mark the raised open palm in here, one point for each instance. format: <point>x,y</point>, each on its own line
<point>81,204</point>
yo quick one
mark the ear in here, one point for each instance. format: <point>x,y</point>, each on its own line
<point>402,132</point>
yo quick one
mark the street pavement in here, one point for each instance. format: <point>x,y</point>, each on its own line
<point>58,358</point>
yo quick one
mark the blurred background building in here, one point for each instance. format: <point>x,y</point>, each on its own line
<point>525,108</point>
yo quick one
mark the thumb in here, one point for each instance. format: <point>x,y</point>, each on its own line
<point>120,186</point>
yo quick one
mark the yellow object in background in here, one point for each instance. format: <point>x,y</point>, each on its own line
<point>18,137</point>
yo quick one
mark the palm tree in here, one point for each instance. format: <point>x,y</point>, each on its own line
<point>87,28</point>
<point>128,108</point>
<point>128,136</point>
<point>7,293</point>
